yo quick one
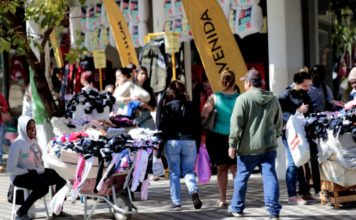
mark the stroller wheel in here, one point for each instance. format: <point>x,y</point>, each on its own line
<point>124,203</point>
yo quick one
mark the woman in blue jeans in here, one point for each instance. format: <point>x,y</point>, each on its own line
<point>180,124</point>
<point>294,100</point>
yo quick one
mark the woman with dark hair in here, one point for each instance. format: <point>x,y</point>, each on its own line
<point>145,119</point>
<point>127,91</point>
<point>217,140</point>
<point>295,100</point>
<point>180,125</point>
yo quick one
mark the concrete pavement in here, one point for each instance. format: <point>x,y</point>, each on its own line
<point>158,203</point>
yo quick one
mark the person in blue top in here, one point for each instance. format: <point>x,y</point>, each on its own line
<point>217,140</point>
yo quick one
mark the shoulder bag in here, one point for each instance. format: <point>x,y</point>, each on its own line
<point>209,124</point>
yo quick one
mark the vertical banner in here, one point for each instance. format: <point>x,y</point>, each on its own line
<point>214,40</point>
<point>56,49</point>
<point>121,33</point>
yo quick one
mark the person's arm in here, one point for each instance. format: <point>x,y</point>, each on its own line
<point>278,120</point>
<point>237,124</point>
<point>13,159</point>
<point>284,104</point>
<point>207,109</point>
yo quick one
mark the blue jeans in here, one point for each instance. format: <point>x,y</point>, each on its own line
<point>181,155</point>
<point>294,174</point>
<point>2,134</point>
<point>246,164</point>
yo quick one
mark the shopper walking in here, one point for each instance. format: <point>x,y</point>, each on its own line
<point>4,107</point>
<point>217,140</point>
<point>256,122</point>
<point>295,100</point>
<point>181,128</point>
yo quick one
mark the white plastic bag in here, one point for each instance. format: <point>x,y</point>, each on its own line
<point>157,167</point>
<point>57,201</point>
<point>297,141</point>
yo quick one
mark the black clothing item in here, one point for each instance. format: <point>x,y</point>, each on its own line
<point>291,100</point>
<point>39,184</point>
<point>180,121</point>
<point>218,146</point>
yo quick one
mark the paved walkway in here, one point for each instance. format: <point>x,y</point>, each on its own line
<point>157,207</point>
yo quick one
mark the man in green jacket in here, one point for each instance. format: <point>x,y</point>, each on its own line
<point>256,122</point>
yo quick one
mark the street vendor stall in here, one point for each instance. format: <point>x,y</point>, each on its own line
<point>335,136</point>
<point>105,159</point>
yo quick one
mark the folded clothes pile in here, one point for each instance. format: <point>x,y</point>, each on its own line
<point>317,124</point>
<point>91,99</point>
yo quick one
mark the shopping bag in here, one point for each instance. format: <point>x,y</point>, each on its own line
<point>202,165</point>
<point>157,166</point>
<point>297,140</point>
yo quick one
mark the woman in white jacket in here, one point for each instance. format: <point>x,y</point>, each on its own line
<point>127,91</point>
<point>26,168</point>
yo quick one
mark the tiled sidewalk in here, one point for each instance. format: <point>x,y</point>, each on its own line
<point>157,207</point>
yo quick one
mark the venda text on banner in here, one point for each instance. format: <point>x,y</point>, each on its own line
<point>214,40</point>
<point>121,33</point>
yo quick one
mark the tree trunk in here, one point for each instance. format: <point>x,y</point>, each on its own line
<point>37,67</point>
<point>41,84</point>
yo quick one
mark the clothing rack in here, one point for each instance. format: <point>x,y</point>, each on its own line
<point>152,36</point>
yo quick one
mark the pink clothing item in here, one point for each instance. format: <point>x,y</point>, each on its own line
<point>115,161</point>
<point>144,188</point>
<point>79,172</point>
<point>140,168</point>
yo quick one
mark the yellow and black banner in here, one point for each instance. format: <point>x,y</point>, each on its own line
<point>121,33</point>
<point>214,40</point>
<point>56,49</point>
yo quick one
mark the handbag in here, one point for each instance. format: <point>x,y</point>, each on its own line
<point>6,116</point>
<point>209,123</point>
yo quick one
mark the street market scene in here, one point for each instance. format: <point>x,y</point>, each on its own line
<point>177,109</point>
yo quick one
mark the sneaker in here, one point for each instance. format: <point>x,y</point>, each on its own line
<point>196,201</point>
<point>24,217</point>
<point>236,214</point>
<point>310,199</point>
<point>274,217</point>
<point>296,200</point>
<point>61,215</point>
<point>175,207</point>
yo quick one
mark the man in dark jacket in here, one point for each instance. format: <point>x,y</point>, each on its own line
<point>256,122</point>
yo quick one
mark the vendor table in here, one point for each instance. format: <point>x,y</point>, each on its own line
<point>336,193</point>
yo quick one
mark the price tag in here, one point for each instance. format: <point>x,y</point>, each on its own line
<point>171,41</point>
<point>99,59</point>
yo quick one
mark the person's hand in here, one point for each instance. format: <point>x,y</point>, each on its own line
<point>303,108</point>
<point>31,171</point>
<point>232,152</point>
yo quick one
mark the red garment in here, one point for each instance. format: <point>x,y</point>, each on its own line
<point>4,104</point>
<point>77,85</point>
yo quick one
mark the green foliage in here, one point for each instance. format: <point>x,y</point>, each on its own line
<point>343,35</point>
<point>79,52</point>
<point>49,14</point>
